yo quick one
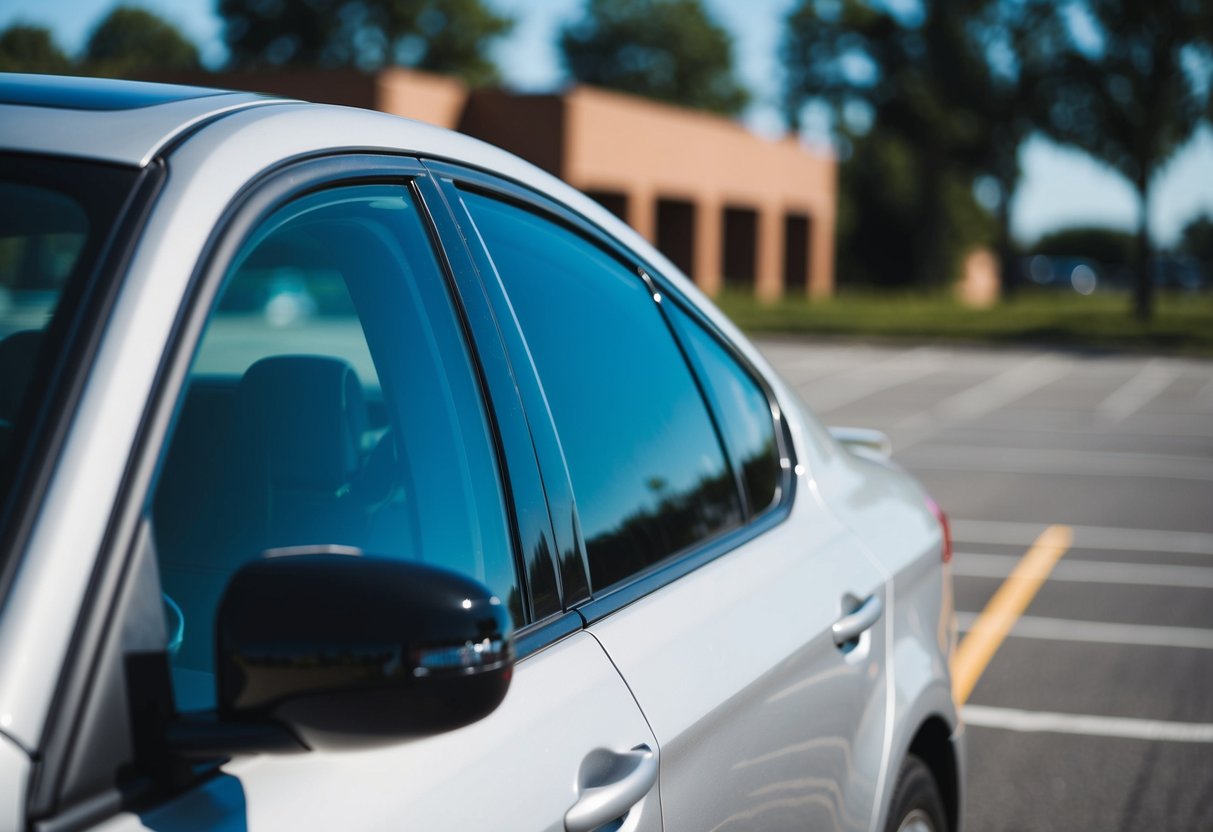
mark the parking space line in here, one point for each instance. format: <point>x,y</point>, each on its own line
<point>1102,632</point>
<point>978,400</point>
<point>998,391</point>
<point>1205,396</point>
<point>871,378</point>
<point>1136,393</point>
<point>1117,464</point>
<point>999,532</point>
<point>990,629</point>
<point>974,565</point>
<point>1011,719</point>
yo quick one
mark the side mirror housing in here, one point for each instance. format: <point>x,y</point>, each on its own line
<point>354,652</point>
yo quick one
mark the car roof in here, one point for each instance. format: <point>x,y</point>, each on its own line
<point>131,122</point>
<point>126,122</point>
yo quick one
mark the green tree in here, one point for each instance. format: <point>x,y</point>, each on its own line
<point>25,48</point>
<point>448,36</point>
<point>669,50</point>
<point>879,197</point>
<point>1196,239</point>
<point>952,82</point>
<point>1134,87</point>
<point>1106,245</point>
<point>131,41</point>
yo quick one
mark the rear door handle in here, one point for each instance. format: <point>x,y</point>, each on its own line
<point>852,625</point>
<point>609,785</point>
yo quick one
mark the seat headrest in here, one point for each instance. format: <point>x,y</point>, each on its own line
<point>309,416</point>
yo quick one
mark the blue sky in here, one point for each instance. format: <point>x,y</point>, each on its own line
<point>1061,186</point>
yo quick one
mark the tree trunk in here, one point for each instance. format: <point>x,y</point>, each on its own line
<point>931,267</point>
<point>1008,276</point>
<point>1143,295</point>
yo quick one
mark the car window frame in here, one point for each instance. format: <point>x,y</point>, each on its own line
<point>451,178</point>
<point>127,538</point>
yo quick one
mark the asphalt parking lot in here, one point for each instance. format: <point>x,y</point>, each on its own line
<point>1097,711</point>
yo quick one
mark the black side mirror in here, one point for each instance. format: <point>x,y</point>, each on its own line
<point>356,652</point>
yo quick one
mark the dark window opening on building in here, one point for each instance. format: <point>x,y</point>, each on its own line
<point>613,201</point>
<point>676,232</point>
<point>740,246</point>
<point>796,252</point>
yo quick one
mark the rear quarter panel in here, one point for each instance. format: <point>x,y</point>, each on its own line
<point>888,511</point>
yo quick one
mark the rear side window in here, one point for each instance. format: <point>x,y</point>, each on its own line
<point>745,413</point>
<point>647,469</point>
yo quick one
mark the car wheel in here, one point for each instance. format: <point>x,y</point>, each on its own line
<point>917,806</point>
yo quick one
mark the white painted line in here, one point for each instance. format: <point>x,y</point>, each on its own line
<point>975,565</point>
<point>1205,396</point>
<point>1020,425</point>
<point>1057,462</point>
<point>852,384</point>
<point>804,363</point>
<point>999,391</point>
<point>1137,392</point>
<point>1001,532</point>
<point>979,400</point>
<point>1102,632</point>
<point>1011,719</point>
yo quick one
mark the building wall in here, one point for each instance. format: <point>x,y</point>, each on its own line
<point>347,87</point>
<point>435,99</point>
<point>652,152</point>
<point>531,126</point>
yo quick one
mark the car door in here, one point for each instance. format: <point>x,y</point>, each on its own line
<point>326,397</point>
<point>717,578</point>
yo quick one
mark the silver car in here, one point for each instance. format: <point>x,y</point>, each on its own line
<point>357,474</point>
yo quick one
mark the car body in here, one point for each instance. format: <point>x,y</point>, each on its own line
<point>263,357</point>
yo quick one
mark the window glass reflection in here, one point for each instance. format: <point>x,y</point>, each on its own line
<point>745,413</point>
<point>647,470</point>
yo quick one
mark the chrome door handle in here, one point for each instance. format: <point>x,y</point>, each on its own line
<point>610,784</point>
<point>852,625</point>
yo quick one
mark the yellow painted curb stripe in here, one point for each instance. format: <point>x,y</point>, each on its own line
<point>1012,598</point>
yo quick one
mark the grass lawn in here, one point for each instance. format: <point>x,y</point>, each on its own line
<point>1182,324</point>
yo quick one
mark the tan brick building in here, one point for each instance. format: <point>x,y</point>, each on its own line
<point>723,203</point>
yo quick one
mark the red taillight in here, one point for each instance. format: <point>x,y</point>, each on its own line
<point>944,526</point>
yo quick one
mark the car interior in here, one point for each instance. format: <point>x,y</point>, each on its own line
<point>281,446</point>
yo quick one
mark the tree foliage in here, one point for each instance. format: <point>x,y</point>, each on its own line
<point>130,41</point>
<point>1108,246</point>
<point>669,50</point>
<point>1133,87</point>
<point>25,48</point>
<point>1196,239</point>
<point>881,190</point>
<point>962,83</point>
<point>448,36</point>
<point>948,82</point>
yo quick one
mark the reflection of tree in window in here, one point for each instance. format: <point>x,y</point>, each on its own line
<point>676,521</point>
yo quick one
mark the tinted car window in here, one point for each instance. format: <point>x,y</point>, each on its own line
<point>646,465</point>
<point>745,412</point>
<point>55,217</point>
<point>331,406</point>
